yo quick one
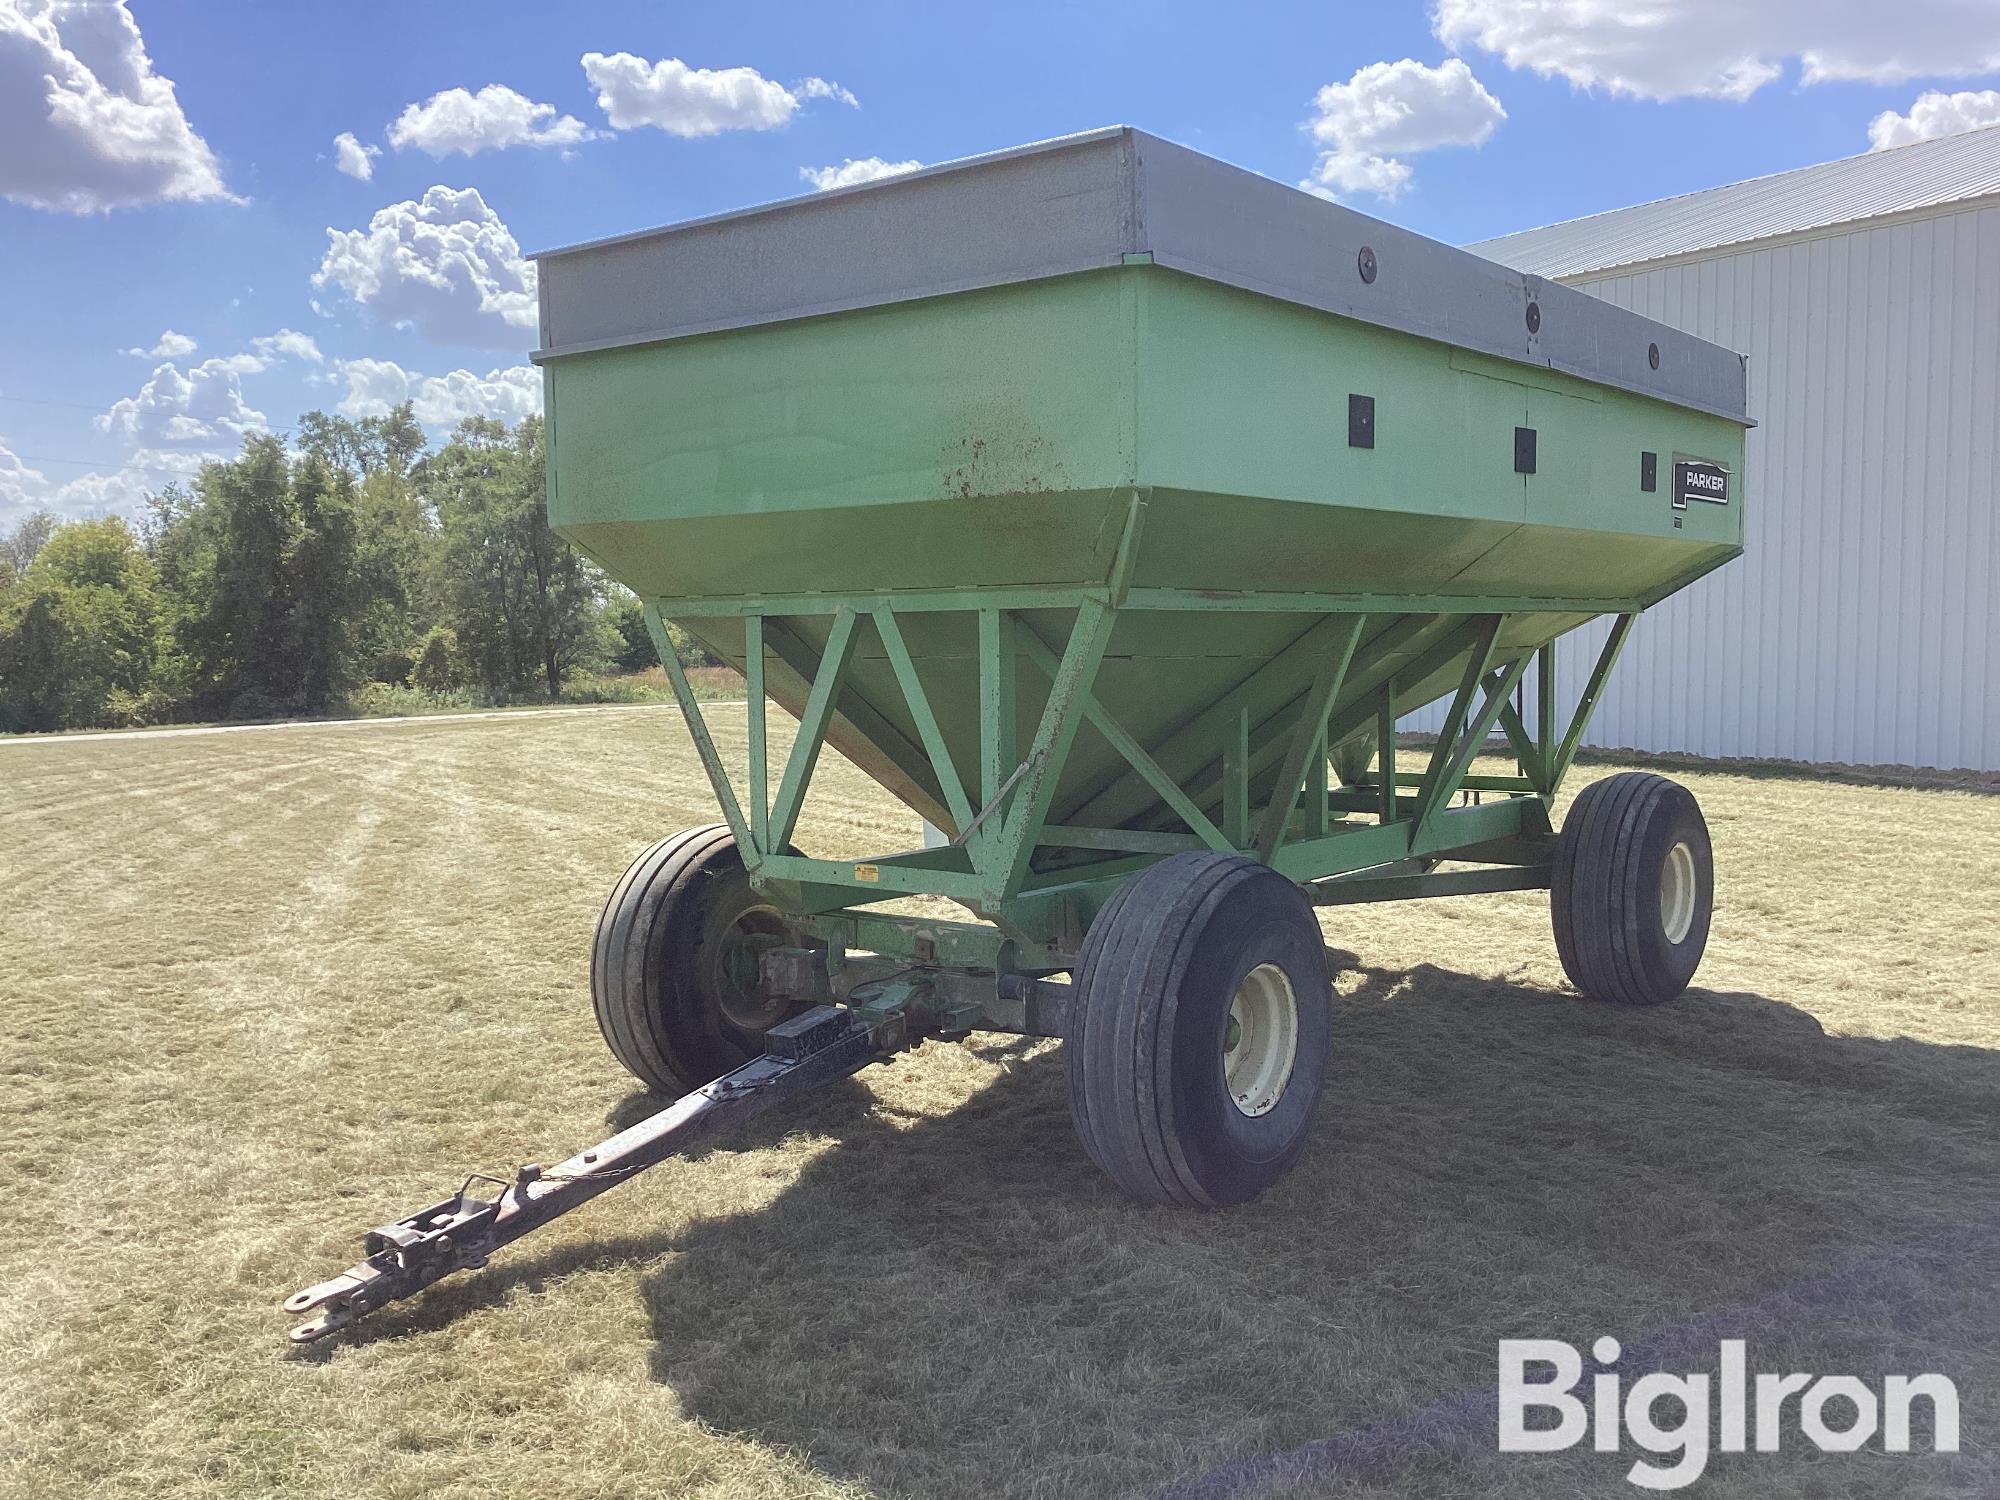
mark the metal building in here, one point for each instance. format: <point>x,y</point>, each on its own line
<point>1861,625</point>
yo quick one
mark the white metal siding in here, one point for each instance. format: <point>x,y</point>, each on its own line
<point>1859,625</point>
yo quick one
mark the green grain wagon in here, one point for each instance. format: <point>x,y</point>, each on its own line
<point>1109,505</point>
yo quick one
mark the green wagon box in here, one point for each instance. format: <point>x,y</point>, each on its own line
<point>1109,505</point>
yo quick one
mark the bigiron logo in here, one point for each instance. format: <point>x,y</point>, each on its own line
<point>1835,1413</point>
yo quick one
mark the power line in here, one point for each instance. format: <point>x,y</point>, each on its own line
<point>96,463</point>
<point>96,406</point>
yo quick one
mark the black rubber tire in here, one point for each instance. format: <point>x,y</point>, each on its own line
<point>651,975</point>
<point>1604,900</point>
<point>1144,1054</point>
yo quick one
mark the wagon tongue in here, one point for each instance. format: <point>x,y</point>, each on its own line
<point>460,1232</point>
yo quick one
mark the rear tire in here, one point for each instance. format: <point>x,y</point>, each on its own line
<point>674,967</point>
<point>1633,889</point>
<point>1198,1039</point>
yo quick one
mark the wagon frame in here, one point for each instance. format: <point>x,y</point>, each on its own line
<point>1370,835</point>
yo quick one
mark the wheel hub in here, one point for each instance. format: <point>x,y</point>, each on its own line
<point>737,975</point>
<point>1261,1040</point>
<point>1677,893</point>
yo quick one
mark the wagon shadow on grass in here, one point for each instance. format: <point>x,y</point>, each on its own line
<point>958,1303</point>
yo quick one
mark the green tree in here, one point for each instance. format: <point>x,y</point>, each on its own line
<point>633,650</point>
<point>436,668</point>
<point>19,546</point>
<point>393,534</point>
<point>323,587</point>
<point>387,444</point>
<point>263,560</point>
<point>520,603</point>
<point>80,629</point>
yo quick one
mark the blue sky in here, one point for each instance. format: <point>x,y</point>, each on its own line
<point>219,218</point>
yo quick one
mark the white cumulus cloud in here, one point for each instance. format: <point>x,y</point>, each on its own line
<point>86,125</point>
<point>112,491</point>
<point>1935,114</point>
<point>446,266</point>
<point>375,385</point>
<point>122,490</point>
<point>690,102</point>
<point>169,345</point>
<point>20,486</point>
<point>1725,49</point>
<point>821,88</point>
<point>852,171</point>
<point>491,120</point>
<point>353,158</point>
<point>178,408</point>
<point>289,343</point>
<point>1386,111</point>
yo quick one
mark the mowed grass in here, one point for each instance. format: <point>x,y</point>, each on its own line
<point>261,991</point>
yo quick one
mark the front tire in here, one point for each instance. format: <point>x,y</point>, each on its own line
<point>674,969</point>
<point>1633,889</point>
<point>1198,1040</point>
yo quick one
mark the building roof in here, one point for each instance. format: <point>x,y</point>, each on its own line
<point>1926,174</point>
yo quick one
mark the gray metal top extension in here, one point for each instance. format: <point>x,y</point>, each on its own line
<point>1086,201</point>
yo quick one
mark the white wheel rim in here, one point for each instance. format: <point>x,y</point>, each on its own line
<point>1261,1040</point>
<point>1677,885</point>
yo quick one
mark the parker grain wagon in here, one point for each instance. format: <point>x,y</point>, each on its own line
<point>1109,505</point>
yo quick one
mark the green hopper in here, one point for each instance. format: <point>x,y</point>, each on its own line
<point>1110,506</point>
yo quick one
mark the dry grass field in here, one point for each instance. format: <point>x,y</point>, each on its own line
<point>260,991</point>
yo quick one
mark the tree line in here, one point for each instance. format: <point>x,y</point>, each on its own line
<point>356,567</point>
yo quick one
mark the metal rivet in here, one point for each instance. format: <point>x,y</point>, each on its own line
<point>1534,317</point>
<point>1653,355</point>
<point>1365,263</point>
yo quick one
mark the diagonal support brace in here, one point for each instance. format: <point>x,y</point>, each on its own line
<point>1307,736</point>
<point>1587,704</point>
<point>704,743</point>
<point>813,724</point>
<point>1061,717</point>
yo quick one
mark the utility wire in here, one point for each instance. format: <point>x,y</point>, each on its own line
<point>98,463</point>
<point>44,401</point>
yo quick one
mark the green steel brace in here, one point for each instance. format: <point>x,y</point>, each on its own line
<point>1528,754</point>
<point>718,778</point>
<point>926,718</point>
<point>760,764</point>
<point>1545,711</point>
<point>1435,784</point>
<point>1453,775</point>
<point>1061,717</point>
<point>1204,833</point>
<point>1561,756</point>
<point>1308,738</point>
<point>1064,596</point>
<point>1209,762</point>
<point>813,722</point>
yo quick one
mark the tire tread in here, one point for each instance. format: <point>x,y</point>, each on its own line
<point>1118,1052</point>
<point>1595,904</point>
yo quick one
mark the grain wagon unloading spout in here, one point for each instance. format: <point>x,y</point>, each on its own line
<point>1018,481</point>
